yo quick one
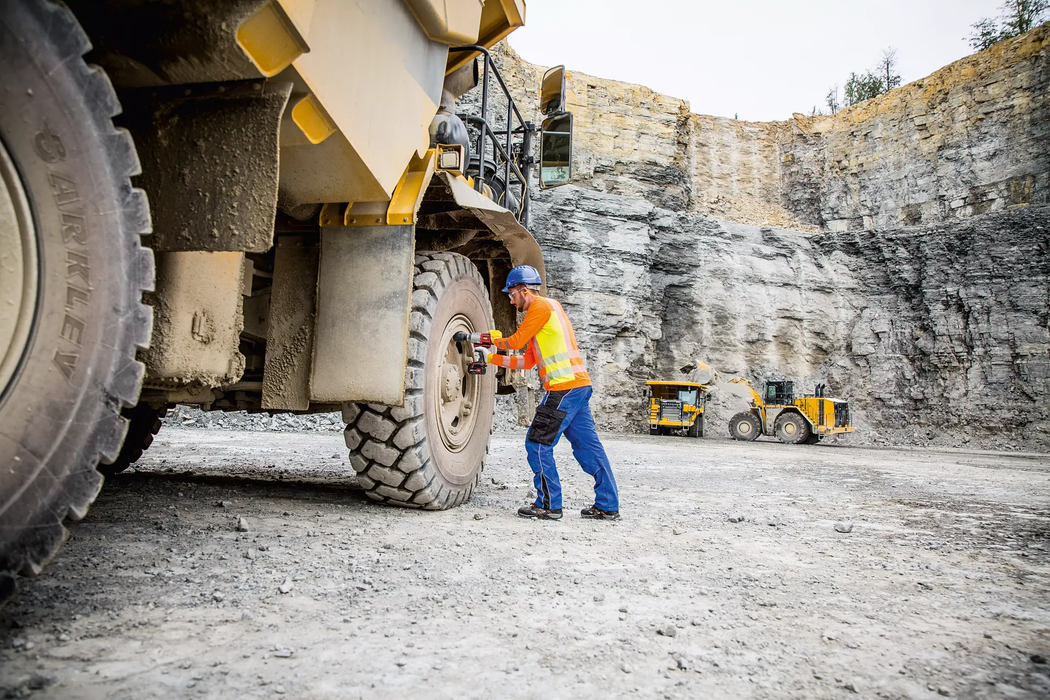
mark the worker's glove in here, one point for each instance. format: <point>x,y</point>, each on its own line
<point>492,358</point>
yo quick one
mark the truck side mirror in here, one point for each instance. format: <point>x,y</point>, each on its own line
<point>552,91</point>
<point>556,150</point>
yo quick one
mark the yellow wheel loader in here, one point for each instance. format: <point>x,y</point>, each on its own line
<point>676,406</point>
<point>261,205</point>
<point>801,420</point>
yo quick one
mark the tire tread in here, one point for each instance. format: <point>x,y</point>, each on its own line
<point>418,486</point>
<point>121,382</point>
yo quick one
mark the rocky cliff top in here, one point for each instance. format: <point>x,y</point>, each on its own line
<point>967,140</point>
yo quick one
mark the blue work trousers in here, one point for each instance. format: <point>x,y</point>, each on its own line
<point>578,426</point>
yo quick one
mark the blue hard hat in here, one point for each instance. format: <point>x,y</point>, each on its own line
<point>522,274</point>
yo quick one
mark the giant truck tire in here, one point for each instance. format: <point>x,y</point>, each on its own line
<point>745,426</point>
<point>72,273</point>
<point>429,453</point>
<point>791,428</point>
<point>696,430</point>
<point>144,422</point>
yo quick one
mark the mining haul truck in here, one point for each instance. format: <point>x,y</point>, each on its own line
<point>320,224</point>
<point>805,419</point>
<point>676,406</point>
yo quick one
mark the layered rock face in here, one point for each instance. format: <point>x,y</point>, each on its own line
<point>949,325</point>
<point>968,140</point>
<point>897,251</point>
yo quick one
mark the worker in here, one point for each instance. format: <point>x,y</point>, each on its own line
<point>550,343</point>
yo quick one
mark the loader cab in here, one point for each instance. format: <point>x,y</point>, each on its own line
<point>779,393</point>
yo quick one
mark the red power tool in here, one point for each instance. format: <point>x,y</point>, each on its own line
<point>477,342</point>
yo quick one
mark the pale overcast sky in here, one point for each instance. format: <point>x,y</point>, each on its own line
<point>762,59</point>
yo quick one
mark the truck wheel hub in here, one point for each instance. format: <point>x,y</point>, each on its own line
<point>459,390</point>
<point>18,269</point>
<point>450,388</point>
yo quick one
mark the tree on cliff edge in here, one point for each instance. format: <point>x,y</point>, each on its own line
<point>862,86</point>
<point>866,85</point>
<point>887,70</point>
<point>1016,18</point>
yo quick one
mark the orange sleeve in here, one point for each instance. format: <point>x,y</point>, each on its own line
<point>537,315</point>
<point>526,361</point>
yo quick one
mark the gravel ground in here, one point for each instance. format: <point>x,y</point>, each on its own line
<point>247,564</point>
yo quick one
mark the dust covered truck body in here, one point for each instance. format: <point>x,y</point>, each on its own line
<point>258,205</point>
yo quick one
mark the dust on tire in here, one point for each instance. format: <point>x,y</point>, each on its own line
<point>400,454</point>
<point>60,409</point>
<point>791,428</point>
<point>745,426</point>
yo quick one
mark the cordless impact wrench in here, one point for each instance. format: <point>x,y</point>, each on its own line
<point>477,342</point>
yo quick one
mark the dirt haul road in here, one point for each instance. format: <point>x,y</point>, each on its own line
<point>239,564</point>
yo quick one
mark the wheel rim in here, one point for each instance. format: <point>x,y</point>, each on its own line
<point>790,428</point>
<point>18,270</point>
<point>744,427</point>
<point>457,392</point>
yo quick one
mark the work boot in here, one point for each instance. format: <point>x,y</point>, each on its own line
<point>597,513</point>
<point>534,511</point>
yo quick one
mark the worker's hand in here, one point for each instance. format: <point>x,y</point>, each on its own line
<point>492,358</point>
<point>495,335</point>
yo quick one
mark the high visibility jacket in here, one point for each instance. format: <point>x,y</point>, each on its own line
<point>549,343</point>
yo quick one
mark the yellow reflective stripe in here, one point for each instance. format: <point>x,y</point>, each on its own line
<point>561,357</point>
<point>564,358</point>
<point>558,367</point>
<point>564,371</point>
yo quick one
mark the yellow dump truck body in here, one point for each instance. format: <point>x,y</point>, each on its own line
<point>368,76</point>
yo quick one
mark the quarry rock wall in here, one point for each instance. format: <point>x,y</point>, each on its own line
<point>936,334</point>
<point>897,251</point>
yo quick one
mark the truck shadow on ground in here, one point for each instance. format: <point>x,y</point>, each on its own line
<point>342,489</point>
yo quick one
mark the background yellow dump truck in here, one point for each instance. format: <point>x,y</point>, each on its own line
<point>675,406</point>
<point>321,223</point>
